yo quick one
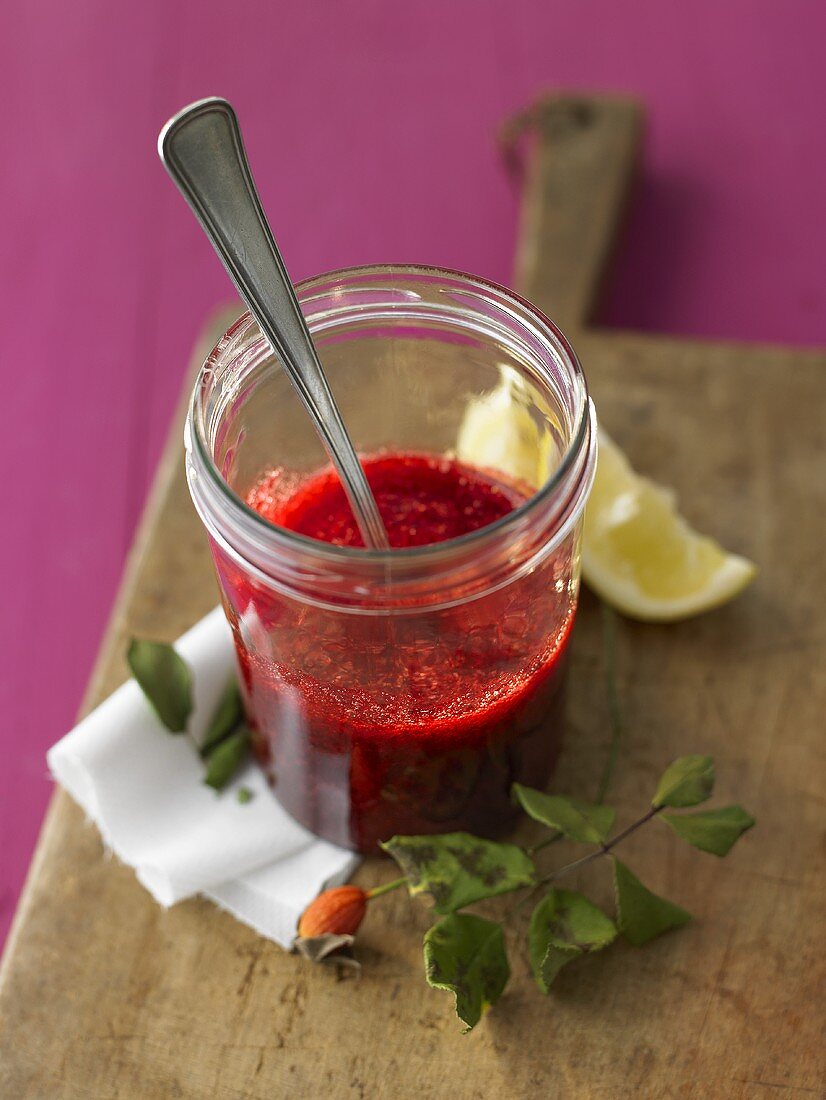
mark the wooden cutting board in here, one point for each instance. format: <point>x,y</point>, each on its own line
<point>103,994</point>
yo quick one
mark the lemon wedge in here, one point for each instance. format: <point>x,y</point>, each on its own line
<point>642,557</point>
<point>498,432</point>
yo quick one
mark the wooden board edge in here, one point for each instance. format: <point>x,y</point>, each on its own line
<point>168,466</point>
<point>715,344</point>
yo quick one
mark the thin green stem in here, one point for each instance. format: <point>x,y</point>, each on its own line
<point>603,850</point>
<point>551,838</point>
<point>377,891</point>
<point>609,641</point>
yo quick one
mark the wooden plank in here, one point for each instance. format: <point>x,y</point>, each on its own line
<point>104,990</point>
<point>576,189</point>
<point>103,994</point>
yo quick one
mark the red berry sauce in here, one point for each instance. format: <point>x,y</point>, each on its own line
<point>370,725</point>
<point>422,499</point>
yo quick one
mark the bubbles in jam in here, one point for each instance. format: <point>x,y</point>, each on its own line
<point>422,499</point>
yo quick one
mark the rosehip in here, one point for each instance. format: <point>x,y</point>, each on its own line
<point>337,912</point>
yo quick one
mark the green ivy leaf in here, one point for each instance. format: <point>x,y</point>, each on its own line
<point>641,914</point>
<point>564,926</point>
<point>457,868</point>
<point>228,714</point>
<point>223,761</point>
<point>466,955</point>
<point>689,780</point>
<point>715,831</point>
<point>164,678</point>
<point>581,821</point>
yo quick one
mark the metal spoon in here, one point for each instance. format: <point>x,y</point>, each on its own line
<point>202,149</point>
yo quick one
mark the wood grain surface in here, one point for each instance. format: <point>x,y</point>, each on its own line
<point>574,200</point>
<point>103,994</point>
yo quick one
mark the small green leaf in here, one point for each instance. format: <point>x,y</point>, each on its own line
<point>227,716</point>
<point>575,819</point>
<point>565,925</point>
<point>553,958</point>
<point>714,831</point>
<point>689,780</point>
<point>457,868</point>
<point>225,758</point>
<point>466,955</point>
<point>641,914</point>
<point>164,678</point>
<point>244,795</point>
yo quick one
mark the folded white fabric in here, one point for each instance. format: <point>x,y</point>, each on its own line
<point>143,787</point>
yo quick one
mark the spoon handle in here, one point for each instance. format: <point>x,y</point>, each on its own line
<point>202,149</point>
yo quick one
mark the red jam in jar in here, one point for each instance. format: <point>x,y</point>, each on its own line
<point>405,722</point>
<point>403,691</point>
<point>422,499</point>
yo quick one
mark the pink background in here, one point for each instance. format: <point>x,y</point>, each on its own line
<point>371,130</point>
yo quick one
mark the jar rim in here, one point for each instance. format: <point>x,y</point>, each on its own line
<point>283,537</point>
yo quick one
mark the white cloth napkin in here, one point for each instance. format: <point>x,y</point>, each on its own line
<point>143,787</point>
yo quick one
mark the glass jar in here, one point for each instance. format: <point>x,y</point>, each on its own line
<point>401,692</point>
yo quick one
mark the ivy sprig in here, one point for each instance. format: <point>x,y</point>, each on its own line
<point>466,953</point>
<point>166,681</point>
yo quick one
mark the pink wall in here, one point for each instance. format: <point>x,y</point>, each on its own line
<point>371,129</point>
